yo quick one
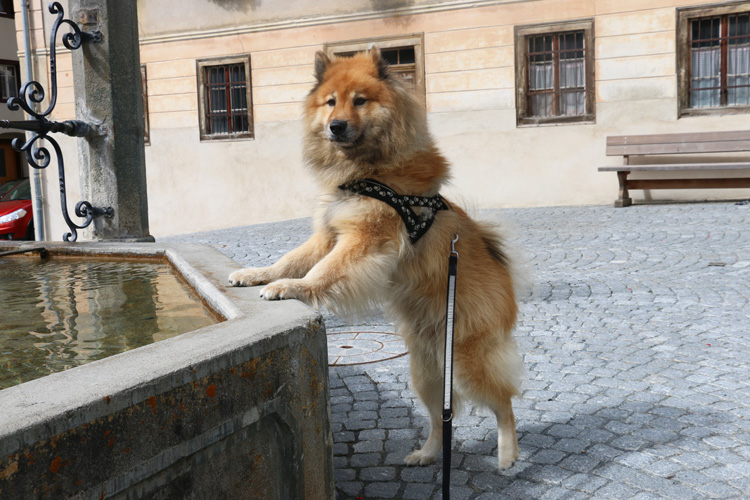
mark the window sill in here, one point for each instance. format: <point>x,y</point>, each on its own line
<point>227,137</point>
<point>690,112</point>
<point>530,122</point>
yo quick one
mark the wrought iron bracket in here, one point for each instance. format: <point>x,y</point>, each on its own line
<point>32,93</point>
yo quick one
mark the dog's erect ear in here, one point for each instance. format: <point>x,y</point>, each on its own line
<point>382,64</point>
<point>321,64</point>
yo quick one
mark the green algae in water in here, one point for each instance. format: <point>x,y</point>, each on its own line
<point>57,314</point>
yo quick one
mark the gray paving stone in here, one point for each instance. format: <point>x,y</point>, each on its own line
<point>372,446</point>
<point>377,474</point>
<point>364,460</point>
<point>382,490</point>
<point>341,474</point>
<point>350,488</point>
<point>563,494</point>
<point>340,449</point>
<point>371,434</point>
<point>614,335</point>
<point>720,490</point>
<point>580,463</point>
<point>462,493</point>
<point>418,474</point>
<point>547,474</point>
<point>584,482</point>
<point>418,491</point>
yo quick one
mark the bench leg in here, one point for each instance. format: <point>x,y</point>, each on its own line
<point>624,199</point>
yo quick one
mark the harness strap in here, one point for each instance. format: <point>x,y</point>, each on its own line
<point>416,225</point>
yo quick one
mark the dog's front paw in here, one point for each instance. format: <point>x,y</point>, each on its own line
<point>283,289</point>
<point>248,277</point>
<point>419,457</point>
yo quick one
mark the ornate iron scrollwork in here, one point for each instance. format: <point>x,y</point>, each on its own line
<point>32,93</point>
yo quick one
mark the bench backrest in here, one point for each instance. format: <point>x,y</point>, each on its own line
<point>659,144</point>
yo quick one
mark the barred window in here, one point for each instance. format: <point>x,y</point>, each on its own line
<point>714,59</point>
<point>720,61</point>
<point>557,86</point>
<point>9,80</point>
<point>555,73</point>
<point>401,61</point>
<point>225,99</point>
<point>405,57</point>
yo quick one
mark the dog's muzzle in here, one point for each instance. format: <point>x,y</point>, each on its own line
<point>340,131</point>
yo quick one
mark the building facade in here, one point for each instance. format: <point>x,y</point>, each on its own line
<point>520,94</point>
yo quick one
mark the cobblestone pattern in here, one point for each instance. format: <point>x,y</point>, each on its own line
<point>636,347</point>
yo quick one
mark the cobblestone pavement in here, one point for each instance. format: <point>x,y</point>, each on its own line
<point>637,352</point>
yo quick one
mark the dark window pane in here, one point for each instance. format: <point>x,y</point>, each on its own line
<point>219,125</point>
<point>238,73</point>
<point>8,82</point>
<point>541,105</point>
<point>6,8</point>
<point>390,55</point>
<point>738,63</point>
<point>406,55</point>
<point>239,123</point>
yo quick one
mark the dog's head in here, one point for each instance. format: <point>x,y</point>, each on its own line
<point>359,112</point>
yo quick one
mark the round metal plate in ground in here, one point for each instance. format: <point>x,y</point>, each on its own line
<point>358,347</point>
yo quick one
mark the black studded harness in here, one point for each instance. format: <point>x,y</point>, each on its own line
<point>416,225</point>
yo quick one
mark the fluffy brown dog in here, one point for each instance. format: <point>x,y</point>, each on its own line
<point>362,122</point>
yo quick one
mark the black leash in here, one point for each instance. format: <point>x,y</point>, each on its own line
<point>448,362</point>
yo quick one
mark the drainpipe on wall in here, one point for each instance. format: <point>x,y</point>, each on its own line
<point>35,175</point>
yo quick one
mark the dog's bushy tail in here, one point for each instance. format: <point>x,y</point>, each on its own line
<point>499,241</point>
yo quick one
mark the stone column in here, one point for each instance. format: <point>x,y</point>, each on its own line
<point>107,81</point>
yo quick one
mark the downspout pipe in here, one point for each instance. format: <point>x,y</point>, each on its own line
<point>35,175</point>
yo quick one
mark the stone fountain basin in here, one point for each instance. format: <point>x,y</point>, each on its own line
<point>239,409</point>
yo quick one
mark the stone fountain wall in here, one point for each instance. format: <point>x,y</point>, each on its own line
<point>239,409</point>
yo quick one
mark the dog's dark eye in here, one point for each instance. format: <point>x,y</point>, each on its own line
<point>331,102</point>
<point>359,101</point>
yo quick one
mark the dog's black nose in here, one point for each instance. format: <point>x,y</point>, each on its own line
<point>338,127</point>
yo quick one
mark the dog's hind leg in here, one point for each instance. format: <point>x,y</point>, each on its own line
<point>507,442</point>
<point>429,387</point>
<point>488,380</point>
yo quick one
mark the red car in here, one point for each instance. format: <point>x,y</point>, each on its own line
<point>15,213</point>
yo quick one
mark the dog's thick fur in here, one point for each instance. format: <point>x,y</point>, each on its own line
<point>362,122</point>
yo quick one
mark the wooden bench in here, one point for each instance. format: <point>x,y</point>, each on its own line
<point>628,146</point>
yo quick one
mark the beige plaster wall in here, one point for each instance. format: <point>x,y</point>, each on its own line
<point>470,96</point>
<point>167,17</point>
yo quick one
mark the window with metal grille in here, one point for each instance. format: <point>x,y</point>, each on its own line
<point>6,8</point>
<point>713,58</point>
<point>404,55</point>
<point>720,61</point>
<point>401,62</point>
<point>225,98</point>
<point>9,80</point>
<point>555,73</point>
<point>556,65</point>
